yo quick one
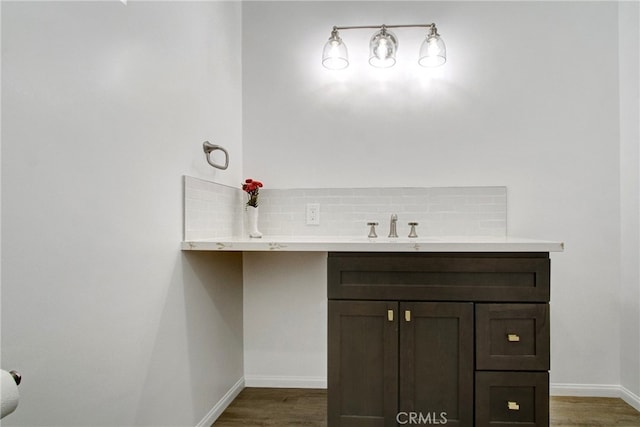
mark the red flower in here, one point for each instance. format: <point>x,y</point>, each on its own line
<point>252,188</point>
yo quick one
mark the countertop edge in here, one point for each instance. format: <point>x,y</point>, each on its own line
<point>285,245</point>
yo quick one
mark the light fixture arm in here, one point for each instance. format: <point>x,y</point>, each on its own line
<point>365,27</point>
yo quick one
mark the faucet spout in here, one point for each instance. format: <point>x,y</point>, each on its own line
<point>392,226</point>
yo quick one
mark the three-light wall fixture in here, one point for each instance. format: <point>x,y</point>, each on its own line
<point>383,47</point>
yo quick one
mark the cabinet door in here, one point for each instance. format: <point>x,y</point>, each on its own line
<point>363,363</point>
<point>436,362</point>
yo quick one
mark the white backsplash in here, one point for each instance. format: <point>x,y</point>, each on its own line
<point>454,211</point>
<point>213,210</point>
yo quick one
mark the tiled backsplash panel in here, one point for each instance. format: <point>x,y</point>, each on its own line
<point>440,211</point>
<point>213,210</point>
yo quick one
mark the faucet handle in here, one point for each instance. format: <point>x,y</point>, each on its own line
<point>372,231</point>
<point>412,232</point>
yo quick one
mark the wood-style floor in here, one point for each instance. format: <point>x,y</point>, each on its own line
<point>592,412</point>
<point>276,407</point>
<point>307,408</point>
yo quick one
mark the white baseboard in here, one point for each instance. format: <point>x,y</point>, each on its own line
<point>595,390</point>
<point>222,404</point>
<point>584,390</point>
<point>631,398</point>
<point>285,382</point>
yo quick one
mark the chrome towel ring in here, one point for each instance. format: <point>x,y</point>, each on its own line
<point>209,148</point>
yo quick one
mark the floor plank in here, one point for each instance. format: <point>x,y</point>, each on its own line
<point>262,407</point>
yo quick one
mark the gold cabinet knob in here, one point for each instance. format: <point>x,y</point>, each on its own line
<point>513,337</point>
<point>513,406</point>
<point>390,315</point>
<point>407,315</point>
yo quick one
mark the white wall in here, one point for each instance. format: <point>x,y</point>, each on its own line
<point>522,102</point>
<point>285,332</point>
<point>629,48</point>
<point>104,108</point>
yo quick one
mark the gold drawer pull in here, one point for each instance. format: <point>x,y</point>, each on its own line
<point>390,315</point>
<point>407,315</point>
<point>513,406</point>
<point>513,337</point>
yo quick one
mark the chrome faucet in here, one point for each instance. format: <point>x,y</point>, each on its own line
<point>392,227</point>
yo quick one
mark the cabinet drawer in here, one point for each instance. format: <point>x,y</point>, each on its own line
<point>512,337</point>
<point>487,277</point>
<point>512,399</point>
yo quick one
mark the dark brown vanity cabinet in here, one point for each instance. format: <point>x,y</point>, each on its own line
<point>460,339</point>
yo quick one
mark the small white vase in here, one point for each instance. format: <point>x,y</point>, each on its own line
<point>252,217</point>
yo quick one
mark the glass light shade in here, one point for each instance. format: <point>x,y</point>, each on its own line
<point>433,52</point>
<point>334,54</point>
<point>382,49</point>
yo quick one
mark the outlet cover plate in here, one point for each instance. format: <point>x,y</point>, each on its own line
<point>313,213</point>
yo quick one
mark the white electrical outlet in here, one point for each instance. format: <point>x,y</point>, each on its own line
<point>313,213</point>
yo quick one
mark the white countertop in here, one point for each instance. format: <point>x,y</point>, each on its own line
<point>381,244</point>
